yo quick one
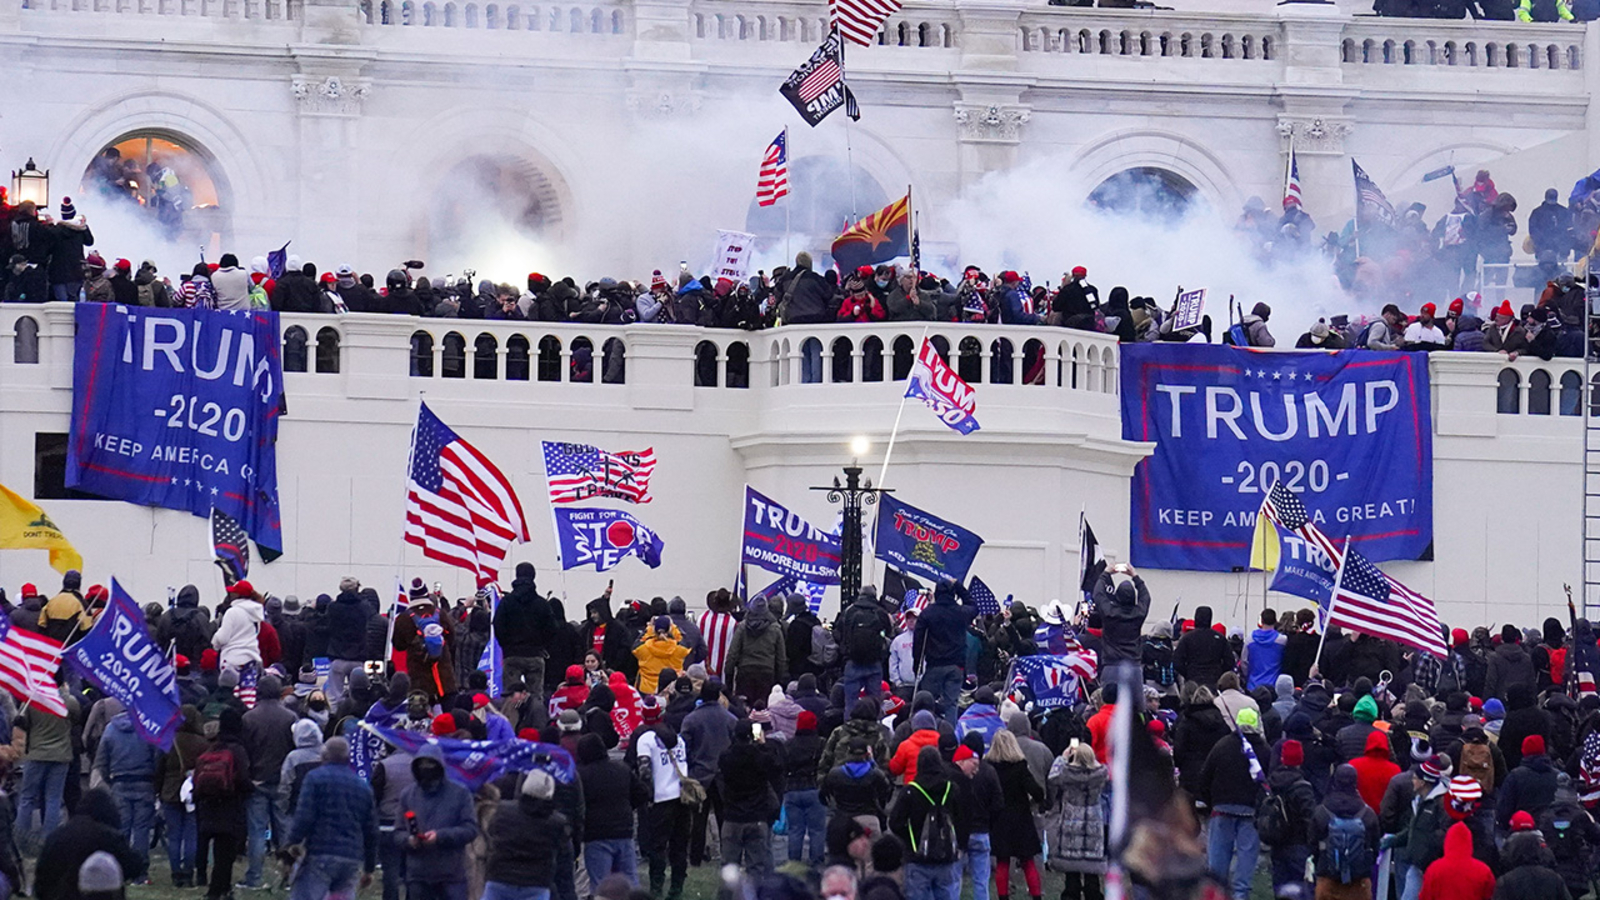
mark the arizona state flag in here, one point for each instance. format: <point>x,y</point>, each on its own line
<point>881,236</point>
<point>24,526</point>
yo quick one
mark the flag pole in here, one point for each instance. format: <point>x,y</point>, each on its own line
<point>1265,582</point>
<point>400,555</point>
<point>1333,597</point>
<point>787,203</point>
<point>1355,229</point>
<point>895,432</point>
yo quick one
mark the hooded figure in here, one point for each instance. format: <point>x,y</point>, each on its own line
<point>661,649</point>
<point>1458,875</point>
<point>522,626</point>
<point>932,793</point>
<point>185,625</point>
<point>613,636</point>
<point>1374,769</point>
<point>758,656</point>
<point>1336,859</point>
<point>1202,655</point>
<point>94,827</point>
<point>1122,613</point>
<point>436,822</point>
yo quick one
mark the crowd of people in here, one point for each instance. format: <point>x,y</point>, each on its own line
<point>885,754</point>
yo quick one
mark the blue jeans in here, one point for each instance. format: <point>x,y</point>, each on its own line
<point>42,783</point>
<point>944,682</point>
<point>322,877</point>
<point>1233,839</point>
<point>862,678</point>
<point>494,890</point>
<point>180,838</point>
<point>262,810</point>
<point>136,803</point>
<point>933,882</point>
<point>977,864</point>
<point>1412,883</point>
<point>66,292</point>
<point>392,859</point>
<point>807,816</point>
<point>603,857</point>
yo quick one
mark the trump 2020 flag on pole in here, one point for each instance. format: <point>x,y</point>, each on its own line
<point>603,537</point>
<point>460,509</point>
<point>119,658</point>
<point>942,390</point>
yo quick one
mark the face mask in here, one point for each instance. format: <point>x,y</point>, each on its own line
<point>430,775</point>
<point>319,706</point>
<point>883,282</point>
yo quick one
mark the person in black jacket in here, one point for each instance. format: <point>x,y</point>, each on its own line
<point>1200,726</point>
<point>611,792</point>
<point>862,632</point>
<point>1228,787</point>
<point>1300,650</point>
<point>1528,875</point>
<point>1295,803</point>
<point>68,238</point>
<point>346,619</point>
<point>296,291</point>
<point>1523,719</point>
<point>524,839</point>
<point>1202,655</point>
<point>616,640</point>
<point>802,803</point>
<point>94,826</point>
<point>1122,613</point>
<point>748,772</point>
<point>1531,786</point>
<point>797,636</point>
<point>857,789</point>
<point>523,627</point>
<point>981,800</point>
<point>939,646</point>
<point>931,795</point>
<point>1510,664</point>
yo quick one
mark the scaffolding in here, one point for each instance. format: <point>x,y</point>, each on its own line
<point>1590,601</point>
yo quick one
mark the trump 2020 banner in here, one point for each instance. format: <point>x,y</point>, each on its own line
<point>921,543</point>
<point>1350,433</point>
<point>178,408</point>
<point>602,537</point>
<point>781,541</point>
<point>118,657</point>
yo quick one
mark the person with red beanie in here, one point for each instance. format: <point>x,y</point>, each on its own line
<point>806,814</point>
<point>1457,875</point>
<point>1374,769</point>
<point>1292,804</point>
<point>572,694</point>
<point>1531,786</point>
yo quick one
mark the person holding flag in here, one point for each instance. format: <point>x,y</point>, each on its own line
<point>1122,608</point>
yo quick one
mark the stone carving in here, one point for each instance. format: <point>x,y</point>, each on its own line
<point>1315,134</point>
<point>992,123</point>
<point>663,103</point>
<point>329,96</point>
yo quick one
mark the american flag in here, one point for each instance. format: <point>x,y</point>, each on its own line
<point>773,181</point>
<point>988,604</point>
<point>581,472</point>
<point>717,629</point>
<point>1285,509</point>
<point>821,80</point>
<point>1291,190</point>
<point>249,677</point>
<point>1369,602</point>
<point>230,545</point>
<point>861,20</point>
<point>460,509</point>
<point>28,664</point>
<point>1370,200</point>
<point>915,602</point>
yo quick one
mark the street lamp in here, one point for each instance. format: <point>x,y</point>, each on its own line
<point>30,184</point>
<point>854,493</point>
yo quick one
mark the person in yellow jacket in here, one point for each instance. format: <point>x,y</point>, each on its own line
<point>1544,11</point>
<point>659,650</point>
<point>63,617</point>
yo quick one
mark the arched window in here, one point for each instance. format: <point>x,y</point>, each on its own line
<point>705,364</point>
<point>582,364</point>
<point>970,365</point>
<point>513,22</point>
<point>905,355</point>
<point>1539,393</point>
<point>941,346</point>
<point>1033,362</point>
<point>549,358</point>
<point>516,358</point>
<point>1000,353</point>
<point>810,361</point>
<point>453,363</point>
<point>738,367</point>
<point>614,362</point>
<point>25,344</point>
<point>843,363</point>
<point>294,349</point>
<point>777,363</point>
<point>1571,393</point>
<point>486,357</point>
<point>328,351</point>
<point>422,354</point>
<point>1509,398</point>
<point>872,359</point>
<point>781,357</point>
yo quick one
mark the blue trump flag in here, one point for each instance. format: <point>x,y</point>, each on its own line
<point>118,657</point>
<point>921,543</point>
<point>474,764</point>
<point>1350,433</point>
<point>492,661</point>
<point>1304,570</point>
<point>1049,681</point>
<point>603,537</point>
<point>781,542</point>
<point>179,408</point>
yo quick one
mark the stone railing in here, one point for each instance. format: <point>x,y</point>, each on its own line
<point>251,10</point>
<point>1150,33</point>
<point>491,16</point>
<point>1497,45</point>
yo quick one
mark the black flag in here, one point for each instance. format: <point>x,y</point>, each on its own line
<point>1091,562</point>
<point>230,545</point>
<point>817,87</point>
<point>851,109</point>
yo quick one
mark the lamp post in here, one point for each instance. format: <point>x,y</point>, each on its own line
<point>854,493</point>
<point>30,184</point>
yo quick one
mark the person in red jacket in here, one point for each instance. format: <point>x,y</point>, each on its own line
<point>1457,875</point>
<point>1099,724</point>
<point>1374,769</point>
<point>572,694</point>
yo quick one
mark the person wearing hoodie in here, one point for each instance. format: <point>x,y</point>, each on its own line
<point>931,871</point>
<point>609,636</point>
<point>1572,835</point>
<point>665,821</point>
<point>93,827</point>
<point>797,631</point>
<point>857,788</point>
<point>1458,875</point>
<point>1531,786</point>
<point>1285,702</point>
<point>1230,786</point>
<point>802,803</point>
<point>924,733</point>
<point>863,724</point>
<point>268,732</point>
<point>1509,664</point>
<point>129,765</point>
<point>1375,768</point>
<point>692,639</point>
<point>1202,655</point>
<point>1263,652</point>
<point>661,648</point>
<point>522,626</point>
<point>1156,655</point>
<point>220,807</point>
<point>1527,874</point>
<point>1293,806</point>
<point>1476,755</point>
<point>424,632</point>
<point>1351,739</point>
<point>1200,727</point>
<point>1523,719</point>
<point>1300,648</point>
<point>746,775</point>
<point>611,792</point>
<point>231,283</point>
<point>176,764</point>
<point>1123,608</point>
<point>62,616</point>
<point>1037,754</point>
<point>1345,835</point>
<point>306,755</point>
<point>572,694</point>
<point>439,823</point>
<point>757,657</point>
<point>185,626</point>
<point>982,717</point>
<point>707,733</point>
<point>525,837</point>
<point>863,633</point>
<point>236,640</point>
<point>939,645</point>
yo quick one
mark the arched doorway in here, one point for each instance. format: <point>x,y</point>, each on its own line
<point>1146,191</point>
<point>498,212</point>
<point>167,182</point>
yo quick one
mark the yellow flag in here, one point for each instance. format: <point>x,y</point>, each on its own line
<point>24,526</point>
<point>1264,547</point>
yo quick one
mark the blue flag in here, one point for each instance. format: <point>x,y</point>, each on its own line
<point>1304,570</point>
<point>603,537</point>
<point>474,764</point>
<point>492,661</point>
<point>920,543</point>
<point>178,408</point>
<point>1048,680</point>
<point>983,597</point>
<point>119,658</point>
<point>278,260</point>
<point>781,541</point>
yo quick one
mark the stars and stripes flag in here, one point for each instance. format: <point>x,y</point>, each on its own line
<point>249,677</point>
<point>1370,201</point>
<point>773,182</point>
<point>230,545</point>
<point>983,597</point>
<point>28,664</point>
<point>1291,187</point>
<point>717,629</point>
<point>1369,602</point>
<point>861,20</point>
<point>1280,506</point>
<point>915,602</point>
<point>580,472</point>
<point>817,87</point>
<point>460,508</point>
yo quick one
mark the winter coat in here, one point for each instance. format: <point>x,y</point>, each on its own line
<point>708,731</point>
<point>1457,875</point>
<point>226,814</point>
<point>237,638</point>
<point>177,763</point>
<point>523,620</point>
<point>808,299</point>
<point>1299,806</point>
<point>306,756</point>
<point>856,789</point>
<point>657,652</point>
<point>940,637</point>
<point>1374,769</point>
<point>747,774</point>
<point>523,838</point>
<point>616,648</point>
<point>1076,821</point>
<point>185,625</point>
<point>836,750</point>
<point>337,816</point>
<point>1530,787</point>
<point>1202,655</point>
<point>797,639</point>
<point>1200,727</point>
<point>1522,719</point>
<point>1013,834</point>
<point>862,630</point>
<point>232,286</point>
<point>1225,778</point>
<point>296,292</point>
<point>94,826</point>
<point>1574,855</point>
<point>1263,655</point>
<point>1509,664</point>
<point>911,808</point>
<point>801,754</point>
<point>1122,613</point>
<point>268,732</point>
<point>1299,652</point>
<point>445,809</point>
<point>346,620</point>
<point>758,646</point>
<point>433,675</point>
<point>611,792</point>
<point>1342,802</point>
<point>123,756</point>
<point>904,763</point>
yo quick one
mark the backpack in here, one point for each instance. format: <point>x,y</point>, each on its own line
<point>1272,818</point>
<point>1345,854</point>
<point>935,839</point>
<point>1558,665</point>
<point>1477,760</point>
<point>147,293</point>
<point>214,775</point>
<point>1565,841</point>
<point>824,650</point>
<point>864,639</point>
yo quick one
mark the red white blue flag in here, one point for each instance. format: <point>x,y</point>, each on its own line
<point>937,385</point>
